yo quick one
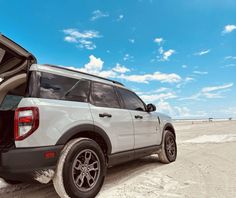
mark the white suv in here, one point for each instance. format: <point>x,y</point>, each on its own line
<point>69,126</point>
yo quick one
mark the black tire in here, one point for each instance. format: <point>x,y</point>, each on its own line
<point>12,182</point>
<point>168,151</point>
<point>73,171</point>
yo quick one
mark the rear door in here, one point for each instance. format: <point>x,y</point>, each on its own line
<point>108,115</point>
<point>146,125</point>
<point>14,59</point>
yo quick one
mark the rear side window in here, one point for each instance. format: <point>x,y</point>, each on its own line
<point>63,88</point>
<point>104,95</point>
<point>131,100</point>
<point>10,102</point>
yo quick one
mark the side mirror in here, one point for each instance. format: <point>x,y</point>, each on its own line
<point>151,108</point>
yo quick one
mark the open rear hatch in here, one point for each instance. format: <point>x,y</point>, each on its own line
<point>14,59</point>
<point>14,64</point>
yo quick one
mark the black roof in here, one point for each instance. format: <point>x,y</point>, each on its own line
<point>58,67</point>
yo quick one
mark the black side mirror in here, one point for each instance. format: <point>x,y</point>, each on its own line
<point>151,108</point>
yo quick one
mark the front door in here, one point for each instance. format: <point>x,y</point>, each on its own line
<point>146,125</point>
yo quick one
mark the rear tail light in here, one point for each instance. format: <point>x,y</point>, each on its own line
<point>26,122</point>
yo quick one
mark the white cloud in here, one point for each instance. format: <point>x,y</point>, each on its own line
<point>128,57</point>
<point>185,82</point>
<point>210,92</point>
<point>229,65</point>
<point>161,50</point>
<point>97,14</point>
<point>184,66</point>
<point>132,40</point>
<point>200,72</point>
<point>165,54</point>
<point>120,69</point>
<point>174,111</point>
<point>156,76</point>
<point>228,29</point>
<point>158,40</point>
<point>203,52</point>
<point>215,88</point>
<point>230,58</point>
<point>82,39</point>
<point>155,97</point>
<point>95,66</point>
<point>120,17</point>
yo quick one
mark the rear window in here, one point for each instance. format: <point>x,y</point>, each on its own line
<point>63,88</point>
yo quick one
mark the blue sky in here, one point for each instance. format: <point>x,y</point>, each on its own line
<point>179,55</point>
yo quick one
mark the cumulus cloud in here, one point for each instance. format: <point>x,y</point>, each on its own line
<point>158,40</point>
<point>95,66</point>
<point>97,14</point>
<point>229,29</point>
<point>203,52</point>
<point>81,39</point>
<point>120,69</point>
<point>165,55</point>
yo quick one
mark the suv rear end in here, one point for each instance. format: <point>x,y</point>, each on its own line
<point>20,117</point>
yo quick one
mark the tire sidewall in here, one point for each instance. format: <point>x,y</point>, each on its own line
<point>167,134</point>
<point>69,185</point>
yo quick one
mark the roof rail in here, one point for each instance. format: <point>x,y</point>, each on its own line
<point>58,67</point>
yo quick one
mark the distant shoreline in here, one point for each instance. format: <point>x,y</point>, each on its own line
<point>203,119</point>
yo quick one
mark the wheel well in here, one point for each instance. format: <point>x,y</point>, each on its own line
<point>171,129</point>
<point>95,137</point>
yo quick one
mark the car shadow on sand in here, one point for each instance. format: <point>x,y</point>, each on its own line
<point>115,175</point>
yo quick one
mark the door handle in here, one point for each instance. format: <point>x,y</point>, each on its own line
<point>138,117</point>
<point>102,115</point>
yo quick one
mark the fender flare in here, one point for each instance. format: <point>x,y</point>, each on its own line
<point>79,129</point>
<point>168,125</point>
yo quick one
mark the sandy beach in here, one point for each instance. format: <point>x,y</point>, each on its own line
<point>205,167</point>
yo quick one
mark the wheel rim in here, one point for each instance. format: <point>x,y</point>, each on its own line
<point>170,147</point>
<point>86,170</point>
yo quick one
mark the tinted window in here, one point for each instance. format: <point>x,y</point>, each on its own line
<point>63,88</point>
<point>104,96</point>
<point>10,102</point>
<point>131,100</point>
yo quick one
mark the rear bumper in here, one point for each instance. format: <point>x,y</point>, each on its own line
<point>27,164</point>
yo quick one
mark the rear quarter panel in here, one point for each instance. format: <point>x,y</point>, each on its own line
<point>55,118</point>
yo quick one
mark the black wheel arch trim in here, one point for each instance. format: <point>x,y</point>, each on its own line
<point>79,129</point>
<point>168,125</point>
